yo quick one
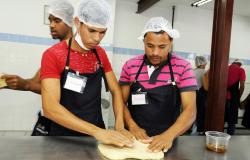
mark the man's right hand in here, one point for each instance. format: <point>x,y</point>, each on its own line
<point>15,82</point>
<point>113,137</point>
<point>140,134</point>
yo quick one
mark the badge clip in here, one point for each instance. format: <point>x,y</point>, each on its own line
<point>173,83</point>
<point>77,73</point>
<point>67,67</point>
<point>139,90</point>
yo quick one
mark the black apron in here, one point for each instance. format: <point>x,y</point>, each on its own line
<point>163,106</point>
<point>42,126</point>
<point>201,105</point>
<point>231,110</point>
<point>86,106</point>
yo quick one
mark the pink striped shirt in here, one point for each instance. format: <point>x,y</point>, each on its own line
<point>183,74</point>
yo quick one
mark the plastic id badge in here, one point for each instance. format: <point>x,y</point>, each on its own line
<point>75,82</point>
<point>140,98</point>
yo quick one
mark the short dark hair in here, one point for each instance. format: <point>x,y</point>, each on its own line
<point>160,32</point>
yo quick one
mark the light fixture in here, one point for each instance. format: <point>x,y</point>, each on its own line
<point>200,2</point>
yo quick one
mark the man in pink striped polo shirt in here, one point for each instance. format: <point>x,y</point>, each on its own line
<point>155,85</point>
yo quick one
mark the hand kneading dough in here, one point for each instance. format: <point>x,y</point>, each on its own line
<point>139,151</point>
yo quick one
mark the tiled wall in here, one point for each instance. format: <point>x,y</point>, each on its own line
<point>117,51</point>
<point>21,54</point>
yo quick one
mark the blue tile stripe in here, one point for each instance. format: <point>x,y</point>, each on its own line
<point>18,38</point>
<point>26,39</point>
<point>127,51</point>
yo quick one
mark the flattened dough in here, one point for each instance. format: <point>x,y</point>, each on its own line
<point>139,151</point>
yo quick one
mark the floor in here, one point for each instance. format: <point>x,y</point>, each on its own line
<point>240,130</point>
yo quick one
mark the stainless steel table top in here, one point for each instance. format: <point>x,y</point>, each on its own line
<point>84,148</point>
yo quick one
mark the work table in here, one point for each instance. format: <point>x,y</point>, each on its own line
<point>85,148</point>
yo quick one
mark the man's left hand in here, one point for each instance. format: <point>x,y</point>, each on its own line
<point>160,142</point>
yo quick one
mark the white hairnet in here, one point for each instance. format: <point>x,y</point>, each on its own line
<point>200,60</point>
<point>157,24</point>
<point>94,13</point>
<point>62,9</point>
<point>238,61</point>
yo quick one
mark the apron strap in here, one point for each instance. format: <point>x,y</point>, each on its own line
<point>174,88</point>
<point>104,77</point>
<point>171,69</point>
<point>139,71</point>
<point>68,56</point>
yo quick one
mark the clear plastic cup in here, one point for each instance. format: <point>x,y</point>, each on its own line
<point>217,141</point>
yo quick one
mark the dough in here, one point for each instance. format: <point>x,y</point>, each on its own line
<point>2,82</point>
<point>139,151</point>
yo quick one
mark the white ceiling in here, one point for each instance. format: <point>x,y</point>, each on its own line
<point>241,7</point>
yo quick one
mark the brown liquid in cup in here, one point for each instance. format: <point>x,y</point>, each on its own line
<point>219,149</point>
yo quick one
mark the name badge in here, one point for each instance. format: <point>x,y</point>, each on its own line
<point>139,98</point>
<point>75,82</point>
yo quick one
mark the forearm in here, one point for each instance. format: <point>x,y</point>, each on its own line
<point>117,100</point>
<point>118,106</point>
<point>33,86</point>
<point>241,90</point>
<point>130,123</point>
<point>242,87</point>
<point>183,123</point>
<point>205,82</point>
